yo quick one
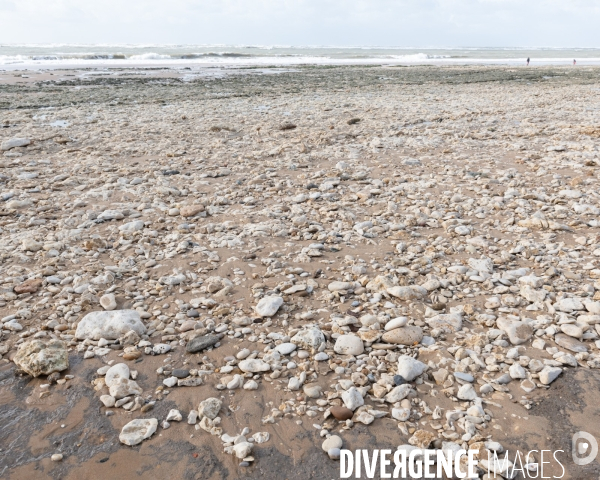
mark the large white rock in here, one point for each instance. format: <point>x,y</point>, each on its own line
<point>516,371</point>
<point>123,387</point>
<point>116,372</point>
<point>467,392</point>
<point>532,281</point>
<point>408,335</point>
<point>209,408</point>
<point>131,227</point>
<point>517,332</point>
<point>352,398</point>
<point>286,348</point>
<point>449,322</point>
<point>109,325</point>
<point>349,345</point>
<point>254,365</point>
<point>268,306</point>
<point>37,357</point>
<point>138,430</point>
<point>592,307</point>
<point>531,294</point>
<point>569,305</point>
<point>549,374</point>
<point>310,338</point>
<point>14,142</point>
<point>398,393</point>
<point>339,286</point>
<point>412,292</point>
<point>242,449</point>
<point>482,265</point>
<point>410,368</point>
<point>111,215</point>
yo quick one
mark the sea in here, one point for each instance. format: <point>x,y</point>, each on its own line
<point>66,55</point>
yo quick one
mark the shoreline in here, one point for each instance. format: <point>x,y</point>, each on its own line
<point>272,63</point>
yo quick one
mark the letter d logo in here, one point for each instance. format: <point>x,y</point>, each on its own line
<point>583,443</point>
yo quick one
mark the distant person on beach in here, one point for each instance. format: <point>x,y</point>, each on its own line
<point>574,62</point>
<point>528,61</point>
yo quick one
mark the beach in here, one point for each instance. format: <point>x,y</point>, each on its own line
<point>255,259</point>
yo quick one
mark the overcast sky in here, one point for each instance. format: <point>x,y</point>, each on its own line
<point>560,23</point>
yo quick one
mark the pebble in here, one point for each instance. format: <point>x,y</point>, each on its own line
<point>108,301</point>
<point>396,323</point>
<point>38,357</point>
<point>268,306</point>
<point>352,398</point>
<point>197,344</point>
<point>410,368</point>
<point>136,431</point>
<point>174,416</point>
<point>349,345</point>
<point>332,442</point>
<point>408,335</point>
<point>109,325</point>
<point>341,413</point>
<point>549,374</point>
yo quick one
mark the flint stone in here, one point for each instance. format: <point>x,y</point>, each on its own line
<point>467,392</point>
<point>191,210</point>
<point>352,398</point>
<point>409,335</point>
<point>570,343</point>
<point>395,323</point>
<point>398,393</point>
<point>109,325</point>
<point>568,305</point>
<point>516,371</point>
<point>339,286</point>
<point>29,286</point>
<point>312,390</point>
<point>341,413</point>
<point>138,430</point>
<point>285,348</point>
<point>124,387</point>
<point>116,372</point>
<point>268,306</point>
<point>13,143</point>
<point>410,368</point>
<point>349,345</point>
<point>332,442</point>
<point>310,339</point>
<point>412,292</point>
<point>108,401</point>
<point>37,357</point>
<point>449,322</point>
<point>242,449</point>
<point>549,374</point>
<point>108,301</point>
<point>482,265</point>
<point>517,332</point>
<point>421,439</point>
<point>201,342</point>
<point>572,330</point>
<point>254,365</point>
<point>209,408</point>
<point>131,227</point>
